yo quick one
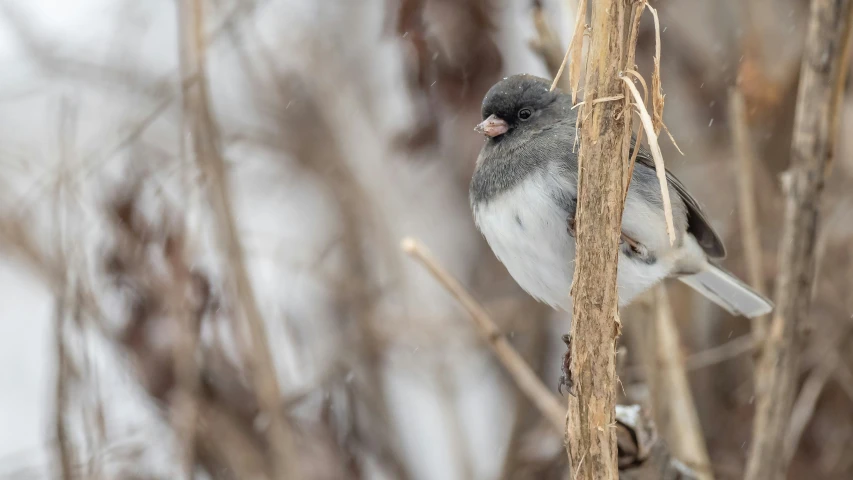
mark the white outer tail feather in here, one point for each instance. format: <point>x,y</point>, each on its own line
<point>724,289</point>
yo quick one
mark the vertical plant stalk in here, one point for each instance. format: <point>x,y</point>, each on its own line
<point>823,72</point>
<point>747,209</point>
<point>212,165</point>
<point>63,442</point>
<point>590,433</point>
<point>186,368</point>
<point>687,440</point>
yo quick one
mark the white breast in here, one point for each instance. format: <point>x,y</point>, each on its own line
<point>528,232</point>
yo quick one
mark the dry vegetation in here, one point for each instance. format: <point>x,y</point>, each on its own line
<point>214,212</point>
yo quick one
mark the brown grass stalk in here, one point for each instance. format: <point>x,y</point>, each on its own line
<point>657,91</point>
<point>64,447</point>
<point>657,155</point>
<point>210,162</point>
<point>630,67</point>
<point>186,368</point>
<point>686,437</point>
<point>823,73</point>
<point>749,226</point>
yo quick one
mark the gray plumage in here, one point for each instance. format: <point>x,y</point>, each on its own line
<point>523,195</point>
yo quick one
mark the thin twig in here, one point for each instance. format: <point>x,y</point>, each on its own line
<point>514,363</point>
<point>711,356</point>
<point>634,34</point>
<point>721,353</point>
<point>657,92</point>
<point>749,228</point>
<point>639,139</point>
<point>612,98</point>
<point>828,364</point>
<point>630,59</point>
<point>804,407</point>
<point>186,368</point>
<point>63,442</point>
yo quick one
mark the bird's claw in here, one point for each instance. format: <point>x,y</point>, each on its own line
<point>636,248</point>
<point>566,378</point>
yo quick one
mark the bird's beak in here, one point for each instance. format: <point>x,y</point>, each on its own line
<point>492,126</point>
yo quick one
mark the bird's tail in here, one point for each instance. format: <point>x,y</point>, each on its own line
<point>724,289</point>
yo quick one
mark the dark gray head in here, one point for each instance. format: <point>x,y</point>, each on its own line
<point>526,127</point>
<point>521,103</point>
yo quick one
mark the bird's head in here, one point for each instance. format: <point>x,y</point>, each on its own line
<point>518,103</point>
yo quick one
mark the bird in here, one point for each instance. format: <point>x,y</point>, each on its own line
<point>523,196</point>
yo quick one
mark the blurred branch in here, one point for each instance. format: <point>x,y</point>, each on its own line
<point>186,329</point>
<point>804,407</point>
<point>63,442</point>
<point>824,69</point>
<point>830,362</point>
<point>720,353</point>
<point>524,377</point>
<point>746,162</point>
<point>211,163</point>
<point>675,396</point>
<point>228,446</point>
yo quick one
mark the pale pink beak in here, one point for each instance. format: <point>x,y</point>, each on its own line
<point>492,126</point>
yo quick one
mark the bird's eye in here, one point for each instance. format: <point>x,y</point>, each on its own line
<point>525,113</point>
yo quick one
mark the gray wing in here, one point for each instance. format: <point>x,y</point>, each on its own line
<point>697,222</point>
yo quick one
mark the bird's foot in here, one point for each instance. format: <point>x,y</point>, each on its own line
<point>636,249</point>
<point>566,378</point>
<point>572,226</point>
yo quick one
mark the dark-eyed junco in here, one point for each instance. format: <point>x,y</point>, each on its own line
<point>524,192</point>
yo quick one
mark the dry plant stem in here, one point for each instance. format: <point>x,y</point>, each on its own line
<point>721,353</point>
<point>633,162</point>
<point>211,163</point>
<point>657,92</point>
<point>638,9</point>
<point>228,445</point>
<point>576,47</point>
<point>514,363</point>
<point>603,161</point>
<point>747,201</point>
<point>657,156</point>
<point>63,443</point>
<point>823,72</point>
<point>829,362</point>
<point>804,408</point>
<point>687,439</point>
<point>634,34</point>
<point>185,407</point>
